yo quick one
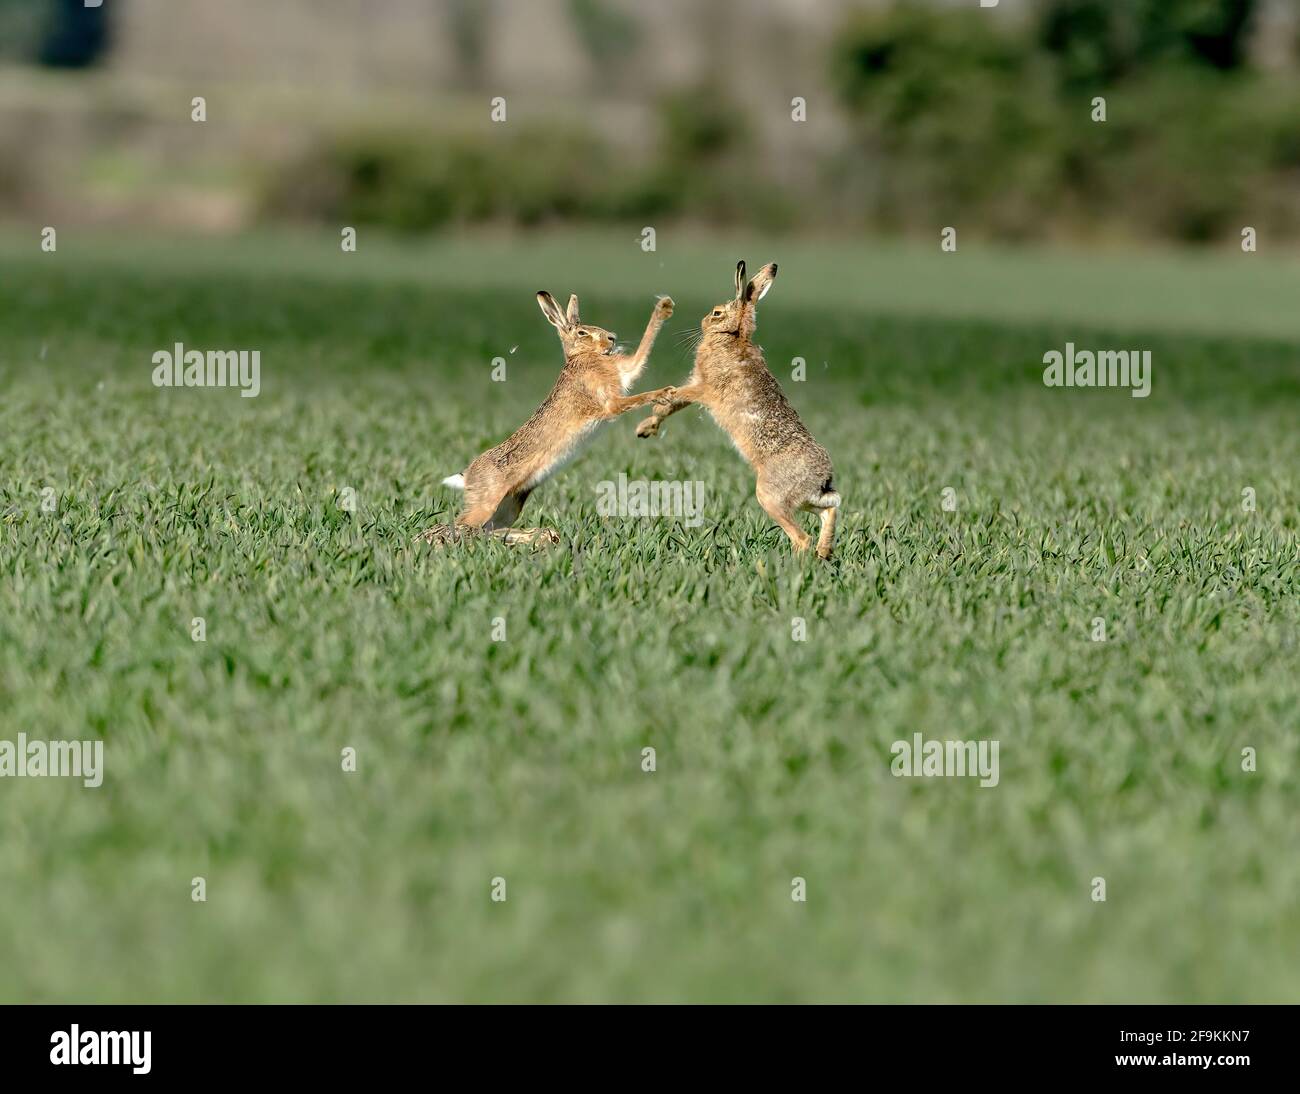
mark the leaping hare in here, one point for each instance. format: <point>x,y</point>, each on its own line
<point>732,382</point>
<point>589,392</point>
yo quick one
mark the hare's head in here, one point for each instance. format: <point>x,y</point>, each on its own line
<point>576,336</point>
<point>738,317</point>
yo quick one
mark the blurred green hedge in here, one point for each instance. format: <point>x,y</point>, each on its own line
<point>948,117</point>
<point>529,173</point>
<point>964,119</point>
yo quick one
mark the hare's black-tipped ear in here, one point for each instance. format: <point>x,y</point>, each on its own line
<point>572,313</point>
<point>740,279</point>
<point>757,288</point>
<point>551,310</point>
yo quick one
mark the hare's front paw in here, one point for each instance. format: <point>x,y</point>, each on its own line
<point>664,309</point>
<point>649,427</point>
<point>666,403</point>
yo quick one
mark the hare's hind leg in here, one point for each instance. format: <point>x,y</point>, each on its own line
<point>776,507</point>
<point>505,516</point>
<point>501,518</point>
<point>491,505</point>
<point>824,500</point>
<point>826,540</point>
<point>506,512</point>
<point>483,501</point>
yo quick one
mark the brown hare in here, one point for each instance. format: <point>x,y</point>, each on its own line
<point>732,382</point>
<point>589,392</point>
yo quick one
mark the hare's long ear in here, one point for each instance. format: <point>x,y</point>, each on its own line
<point>740,279</point>
<point>551,310</point>
<point>757,288</point>
<point>572,313</point>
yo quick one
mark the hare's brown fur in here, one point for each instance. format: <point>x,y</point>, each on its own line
<point>589,391</point>
<point>732,382</point>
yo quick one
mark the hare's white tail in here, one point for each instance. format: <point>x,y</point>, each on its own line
<point>456,482</point>
<point>827,497</point>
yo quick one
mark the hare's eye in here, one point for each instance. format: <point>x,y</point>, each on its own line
<point>717,313</point>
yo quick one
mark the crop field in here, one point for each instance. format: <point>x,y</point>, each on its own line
<point>498,700</point>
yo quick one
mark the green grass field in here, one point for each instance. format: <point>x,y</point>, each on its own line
<point>522,758</point>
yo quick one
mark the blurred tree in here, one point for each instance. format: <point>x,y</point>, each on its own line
<point>606,33</point>
<point>20,29</point>
<point>1101,41</point>
<point>955,106</point>
<point>468,24</point>
<point>701,125</point>
<point>77,36</point>
<point>709,156</point>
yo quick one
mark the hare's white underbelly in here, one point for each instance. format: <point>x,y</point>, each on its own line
<point>730,435</point>
<point>564,456</point>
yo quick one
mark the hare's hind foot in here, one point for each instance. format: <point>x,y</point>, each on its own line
<point>442,535</point>
<point>534,537</point>
<point>439,535</point>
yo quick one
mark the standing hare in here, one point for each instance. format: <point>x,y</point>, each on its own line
<point>732,382</point>
<point>589,392</point>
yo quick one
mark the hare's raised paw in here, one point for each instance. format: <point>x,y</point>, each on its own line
<point>649,427</point>
<point>665,307</point>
